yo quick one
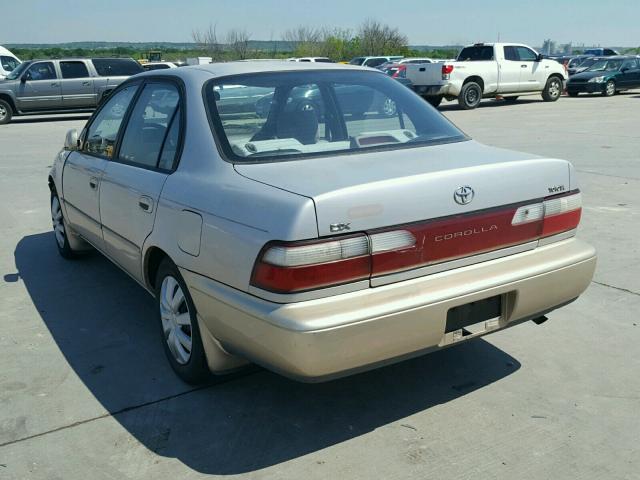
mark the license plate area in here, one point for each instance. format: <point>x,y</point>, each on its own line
<point>473,319</point>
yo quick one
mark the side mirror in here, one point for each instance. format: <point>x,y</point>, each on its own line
<point>540,57</point>
<point>71,140</point>
<point>23,79</point>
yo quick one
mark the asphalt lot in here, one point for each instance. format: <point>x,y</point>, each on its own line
<point>85,391</point>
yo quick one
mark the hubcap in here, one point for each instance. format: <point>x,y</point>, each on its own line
<point>472,96</point>
<point>389,108</point>
<point>611,88</point>
<point>176,321</point>
<point>58,223</point>
<point>554,88</point>
<point>3,112</point>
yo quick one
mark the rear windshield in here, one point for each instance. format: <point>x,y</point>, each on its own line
<point>476,54</point>
<point>287,115</point>
<point>116,67</point>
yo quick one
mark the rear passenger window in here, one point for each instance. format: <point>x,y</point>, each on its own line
<point>74,70</point>
<point>149,124</point>
<point>103,131</point>
<point>170,147</point>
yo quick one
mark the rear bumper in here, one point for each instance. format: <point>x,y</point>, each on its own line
<point>585,87</point>
<point>434,90</point>
<point>338,335</point>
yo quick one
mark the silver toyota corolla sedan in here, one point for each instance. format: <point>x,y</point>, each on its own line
<point>279,217</point>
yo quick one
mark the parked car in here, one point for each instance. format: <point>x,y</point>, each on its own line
<point>311,59</point>
<point>373,61</point>
<point>158,65</point>
<point>316,248</point>
<point>60,86</point>
<point>607,76</point>
<point>600,52</point>
<point>398,69</point>
<point>354,100</point>
<point>488,70</point>
<point>8,62</point>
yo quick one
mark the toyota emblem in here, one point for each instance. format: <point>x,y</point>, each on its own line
<point>463,195</point>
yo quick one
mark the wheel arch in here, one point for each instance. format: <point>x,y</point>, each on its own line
<point>7,98</point>
<point>152,260</point>
<point>474,78</point>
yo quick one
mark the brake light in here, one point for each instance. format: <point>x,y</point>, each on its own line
<point>288,267</point>
<point>446,71</point>
<point>401,72</point>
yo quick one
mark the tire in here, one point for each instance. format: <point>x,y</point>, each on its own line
<point>60,229</point>
<point>5,112</point>
<point>552,90</point>
<point>572,94</point>
<point>434,101</point>
<point>178,324</point>
<point>470,96</point>
<point>609,89</point>
<point>511,99</point>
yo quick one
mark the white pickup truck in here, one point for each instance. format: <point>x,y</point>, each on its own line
<point>486,70</point>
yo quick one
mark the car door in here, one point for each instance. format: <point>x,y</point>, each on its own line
<point>629,74</point>
<point>532,72</point>
<point>509,71</point>
<point>83,169</point>
<point>76,85</point>
<point>132,182</point>
<point>39,88</point>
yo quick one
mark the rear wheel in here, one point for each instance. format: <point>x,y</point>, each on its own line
<point>60,229</point>
<point>609,89</point>
<point>179,325</point>
<point>5,112</point>
<point>434,101</point>
<point>470,96</point>
<point>552,90</point>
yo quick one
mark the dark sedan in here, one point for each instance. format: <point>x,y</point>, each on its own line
<point>606,76</point>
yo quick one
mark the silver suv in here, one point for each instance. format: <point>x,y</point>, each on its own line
<point>57,86</point>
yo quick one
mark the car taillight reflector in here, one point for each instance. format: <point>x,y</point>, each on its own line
<point>447,69</point>
<point>322,252</point>
<point>561,214</point>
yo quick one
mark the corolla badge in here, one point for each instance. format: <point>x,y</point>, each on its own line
<point>463,195</point>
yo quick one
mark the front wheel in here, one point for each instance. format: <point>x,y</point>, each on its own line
<point>470,96</point>
<point>609,89</point>
<point>552,90</point>
<point>5,112</point>
<point>179,325</point>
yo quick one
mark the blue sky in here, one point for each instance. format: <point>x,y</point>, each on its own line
<point>611,22</point>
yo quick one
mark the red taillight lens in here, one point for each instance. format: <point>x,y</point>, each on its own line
<point>401,72</point>
<point>293,267</point>
<point>447,69</point>
<point>299,266</point>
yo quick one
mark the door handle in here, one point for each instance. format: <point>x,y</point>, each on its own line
<point>54,84</point>
<point>86,84</point>
<point>146,203</point>
<point>93,182</point>
<point>524,66</point>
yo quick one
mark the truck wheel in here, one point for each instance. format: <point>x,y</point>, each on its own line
<point>434,101</point>
<point>5,112</point>
<point>470,96</point>
<point>609,89</point>
<point>552,90</point>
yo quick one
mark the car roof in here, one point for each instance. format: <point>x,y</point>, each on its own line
<point>217,70</point>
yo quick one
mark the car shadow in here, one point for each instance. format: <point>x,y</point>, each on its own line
<point>488,103</point>
<point>53,118</point>
<point>104,325</point>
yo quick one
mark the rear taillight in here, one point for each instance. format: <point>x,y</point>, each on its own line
<point>446,71</point>
<point>401,72</point>
<point>288,267</point>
